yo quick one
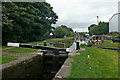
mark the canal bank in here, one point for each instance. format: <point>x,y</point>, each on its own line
<point>33,66</point>
<point>65,70</point>
<point>95,63</point>
<point>24,67</point>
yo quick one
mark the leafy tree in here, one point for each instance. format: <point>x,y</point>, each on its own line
<point>104,27</point>
<point>101,28</point>
<point>25,21</point>
<point>82,34</point>
<point>94,30</point>
<point>62,31</point>
<point>91,26</point>
<point>59,32</point>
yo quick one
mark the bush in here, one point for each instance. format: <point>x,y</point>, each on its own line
<point>116,38</point>
<point>83,45</point>
<point>89,44</point>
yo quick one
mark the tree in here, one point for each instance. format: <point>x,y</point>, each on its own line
<point>91,26</point>
<point>101,28</point>
<point>94,30</point>
<point>26,21</point>
<point>62,31</point>
<point>59,32</point>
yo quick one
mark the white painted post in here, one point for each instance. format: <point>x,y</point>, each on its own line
<point>13,44</point>
<point>88,56</point>
<point>68,49</point>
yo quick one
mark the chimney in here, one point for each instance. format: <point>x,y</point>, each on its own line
<point>97,20</point>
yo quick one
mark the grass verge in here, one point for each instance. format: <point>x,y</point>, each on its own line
<point>50,40</point>
<point>102,63</point>
<point>17,52</point>
<point>7,59</point>
<point>109,43</point>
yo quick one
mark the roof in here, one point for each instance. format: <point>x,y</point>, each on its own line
<point>113,16</point>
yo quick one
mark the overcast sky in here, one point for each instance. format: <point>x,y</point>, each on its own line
<point>79,14</point>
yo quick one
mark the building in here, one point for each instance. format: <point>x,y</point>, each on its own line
<point>114,23</point>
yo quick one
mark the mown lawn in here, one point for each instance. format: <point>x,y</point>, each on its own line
<point>109,43</point>
<point>58,39</point>
<point>4,47</point>
<point>18,51</point>
<point>50,40</point>
<point>7,59</point>
<point>12,54</point>
<point>102,63</point>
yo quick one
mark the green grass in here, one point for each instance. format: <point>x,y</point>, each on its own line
<point>102,63</point>
<point>109,43</point>
<point>12,54</point>
<point>67,42</point>
<point>58,39</point>
<point>41,43</point>
<point>7,59</point>
<point>18,51</point>
<point>50,40</point>
<point>4,47</point>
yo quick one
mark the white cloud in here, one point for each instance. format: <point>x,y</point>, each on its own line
<point>80,29</point>
<point>81,13</point>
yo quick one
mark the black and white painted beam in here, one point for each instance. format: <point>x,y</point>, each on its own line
<point>35,46</point>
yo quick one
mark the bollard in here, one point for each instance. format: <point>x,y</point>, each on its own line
<point>77,46</point>
<point>45,44</point>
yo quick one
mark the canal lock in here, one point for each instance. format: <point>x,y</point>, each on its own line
<point>52,62</point>
<point>36,67</point>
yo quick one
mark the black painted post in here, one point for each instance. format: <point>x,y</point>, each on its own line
<point>45,44</point>
<point>77,46</point>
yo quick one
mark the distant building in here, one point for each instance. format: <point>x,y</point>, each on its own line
<point>114,25</point>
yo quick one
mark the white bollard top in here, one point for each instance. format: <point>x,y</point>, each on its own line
<point>88,56</point>
<point>13,44</point>
<point>68,49</point>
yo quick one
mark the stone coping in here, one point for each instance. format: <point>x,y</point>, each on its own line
<point>66,68</point>
<point>19,60</point>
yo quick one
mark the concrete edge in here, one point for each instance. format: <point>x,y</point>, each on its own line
<point>65,70</point>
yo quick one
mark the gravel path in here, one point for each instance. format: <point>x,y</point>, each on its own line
<point>8,48</point>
